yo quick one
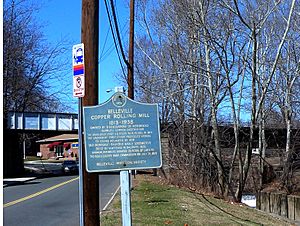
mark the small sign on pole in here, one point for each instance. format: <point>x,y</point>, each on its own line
<point>78,70</point>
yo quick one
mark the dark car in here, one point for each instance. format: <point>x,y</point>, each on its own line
<point>70,166</point>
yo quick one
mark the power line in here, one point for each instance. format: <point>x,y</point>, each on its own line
<point>114,38</point>
<point>117,31</point>
<point>106,36</point>
<point>106,53</point>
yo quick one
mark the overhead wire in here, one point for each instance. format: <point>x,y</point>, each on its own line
<point>103,48</point>
<point>114,38</point>
<point>118,21</point>
<point>106,53</point>
<point>117,31</point>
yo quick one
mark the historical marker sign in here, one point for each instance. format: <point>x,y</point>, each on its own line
<point>121,134</point>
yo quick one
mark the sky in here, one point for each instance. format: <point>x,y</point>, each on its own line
<point>62,19</point>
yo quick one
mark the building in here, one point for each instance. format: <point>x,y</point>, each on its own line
<point>61,146</point>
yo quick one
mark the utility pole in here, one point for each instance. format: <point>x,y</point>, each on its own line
<point>124,174</point>
<point>130,78</point>
<point>90,37</point>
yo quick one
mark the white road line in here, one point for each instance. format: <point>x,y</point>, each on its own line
<point>113,196</point>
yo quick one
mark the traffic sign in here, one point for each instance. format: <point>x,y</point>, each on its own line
<point>74,145</point>
<point>78,86</point>
<point>78,70</point>
<point>121,134</point>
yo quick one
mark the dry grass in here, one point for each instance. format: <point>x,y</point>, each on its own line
<point>155,203</point>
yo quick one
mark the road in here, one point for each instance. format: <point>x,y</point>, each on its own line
<point>50,201</point>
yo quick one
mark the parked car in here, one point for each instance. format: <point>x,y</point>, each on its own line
<point>70,166</point>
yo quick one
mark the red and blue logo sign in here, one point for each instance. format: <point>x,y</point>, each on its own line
<point>78,61</point>
<point>78,69</point>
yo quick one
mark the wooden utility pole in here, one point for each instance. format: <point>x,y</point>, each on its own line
<point>124,174</point>
<point>130,78</point>
<point>90,37</point>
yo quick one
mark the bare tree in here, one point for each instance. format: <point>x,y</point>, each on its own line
<point>31,66</point>
<point>203,59</point>
<point>285,82</point>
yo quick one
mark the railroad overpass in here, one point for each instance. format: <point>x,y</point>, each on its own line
<point>39,121</point>
<point>23,129</point>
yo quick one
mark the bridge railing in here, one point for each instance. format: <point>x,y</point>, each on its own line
<point>42,121</point>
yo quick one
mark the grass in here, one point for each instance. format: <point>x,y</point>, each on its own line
<point>158,204</point>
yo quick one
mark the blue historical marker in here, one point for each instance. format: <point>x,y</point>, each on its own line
<point>121,134</point>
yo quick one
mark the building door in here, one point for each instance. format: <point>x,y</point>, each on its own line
<point>59,150</point>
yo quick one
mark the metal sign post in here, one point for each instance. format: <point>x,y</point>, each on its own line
<point>125,198</point>
<point>81,215</point>
<point>78,91</point>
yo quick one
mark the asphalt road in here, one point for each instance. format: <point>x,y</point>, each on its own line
<point>50,201</point>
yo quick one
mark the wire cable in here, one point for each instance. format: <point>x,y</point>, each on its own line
<point>117,31</point>
<point>114,38</point>
<point>109,50</point>
<point>106,36</point>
